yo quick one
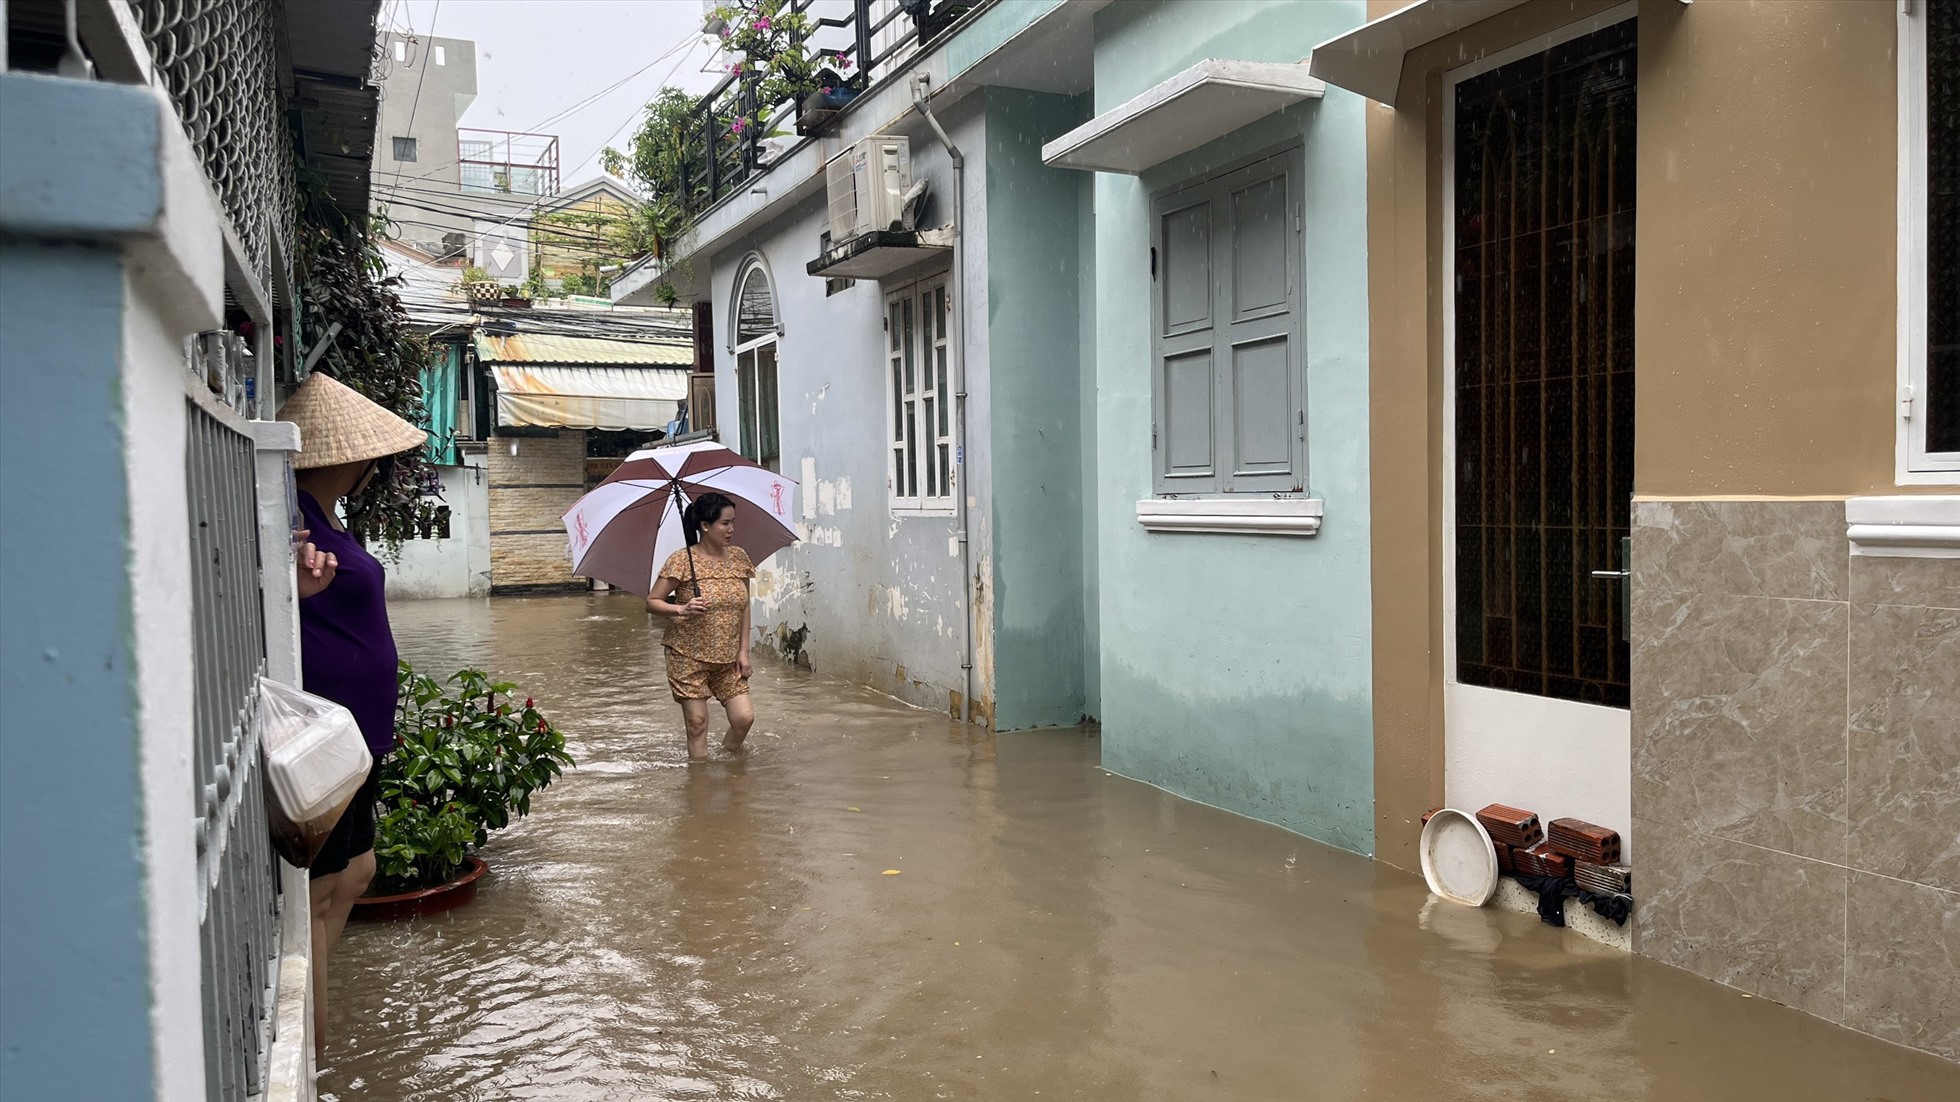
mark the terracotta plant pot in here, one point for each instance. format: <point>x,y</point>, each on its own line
<point>424,901</point>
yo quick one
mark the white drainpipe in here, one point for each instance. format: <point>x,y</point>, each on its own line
<point>959,383</point>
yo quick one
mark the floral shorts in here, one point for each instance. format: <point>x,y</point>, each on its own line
<point>692,679</point>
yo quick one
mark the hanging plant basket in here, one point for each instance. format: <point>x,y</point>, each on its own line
<point>424,901</point>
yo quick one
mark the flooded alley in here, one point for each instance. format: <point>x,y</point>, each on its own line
<point>875,904</point>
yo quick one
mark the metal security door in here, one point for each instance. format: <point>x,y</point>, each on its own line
<point>1538,325</point>
<point>1543,366</point>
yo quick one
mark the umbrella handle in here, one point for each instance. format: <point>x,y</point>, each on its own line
<point>675,489</point>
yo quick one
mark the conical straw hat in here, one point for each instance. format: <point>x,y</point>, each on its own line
<point>338,425</point>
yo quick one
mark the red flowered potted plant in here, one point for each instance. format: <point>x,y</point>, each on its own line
<point>773,60</point>
<point>466,762</point>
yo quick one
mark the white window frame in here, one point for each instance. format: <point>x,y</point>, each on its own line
<point>929,487</point>
<point>747,358</point>
<point>1915,465</point>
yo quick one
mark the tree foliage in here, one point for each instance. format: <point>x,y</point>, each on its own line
<point>654,161</point>
<point>342,279</point>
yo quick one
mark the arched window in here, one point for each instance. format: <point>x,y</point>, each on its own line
<point>754,329</point>
<point>755,304</point>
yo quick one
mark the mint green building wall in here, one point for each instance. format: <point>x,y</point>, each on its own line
<point>1034,324</point>
<point>1085,197</point>
<point>992,29</point>
<point>1235,670</point>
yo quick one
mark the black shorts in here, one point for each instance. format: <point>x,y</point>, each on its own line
<point>354,834</point>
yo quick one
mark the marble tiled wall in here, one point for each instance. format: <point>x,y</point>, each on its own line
<point>1796,764</point>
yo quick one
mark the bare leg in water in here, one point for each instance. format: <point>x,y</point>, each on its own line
<point>332,897</point>
<point>741,717</point>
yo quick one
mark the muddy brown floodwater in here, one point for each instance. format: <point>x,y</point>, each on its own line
<point>729,931</point>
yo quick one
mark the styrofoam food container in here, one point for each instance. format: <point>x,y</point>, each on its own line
<point>1458,859</point>
<point>316,763</point>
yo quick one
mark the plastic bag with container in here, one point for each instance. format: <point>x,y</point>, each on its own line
<point>315,762</point>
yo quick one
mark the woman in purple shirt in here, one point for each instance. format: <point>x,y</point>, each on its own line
<point>347,651</point>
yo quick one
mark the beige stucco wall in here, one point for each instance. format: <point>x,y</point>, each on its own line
<point>1767,264</point>
<point>1766,294</point>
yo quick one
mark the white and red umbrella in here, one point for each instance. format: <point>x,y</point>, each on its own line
<point>624,530</point>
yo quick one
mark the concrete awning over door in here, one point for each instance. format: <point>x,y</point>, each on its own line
<point>1207,101</point>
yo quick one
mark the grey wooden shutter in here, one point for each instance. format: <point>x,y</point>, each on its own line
<point>1263,356</point>
<point>1185,387</point>
<point>1229,392</point>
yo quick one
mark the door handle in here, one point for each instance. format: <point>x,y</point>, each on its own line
<point>1624,576</point>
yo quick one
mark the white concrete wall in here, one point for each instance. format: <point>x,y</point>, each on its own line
<point>460,565</point>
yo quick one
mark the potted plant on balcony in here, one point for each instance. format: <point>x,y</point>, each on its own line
<point>833,93</point>
<point>466,762</point>
<point>776,65</point>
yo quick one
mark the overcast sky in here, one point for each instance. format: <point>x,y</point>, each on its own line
<point>535,60</point>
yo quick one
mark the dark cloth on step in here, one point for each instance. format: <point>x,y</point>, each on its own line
<point>1553,891</point>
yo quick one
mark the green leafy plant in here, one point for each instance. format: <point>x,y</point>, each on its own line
<point>468,758</point>
<point>776,64</point>
<point>655,160</point>
<point>343,281</point>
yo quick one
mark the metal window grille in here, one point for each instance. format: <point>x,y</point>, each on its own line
<point>1943,227</point>
<point>218,60</point>
<point>239,915</point>
<point>1544,259</point>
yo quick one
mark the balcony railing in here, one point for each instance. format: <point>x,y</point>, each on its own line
<point>506,162</point>
<point>879,36</point>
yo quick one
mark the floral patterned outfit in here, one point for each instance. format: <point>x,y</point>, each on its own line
<point>702,650</point>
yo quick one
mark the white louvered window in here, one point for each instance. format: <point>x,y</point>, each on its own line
<point>918,351</point>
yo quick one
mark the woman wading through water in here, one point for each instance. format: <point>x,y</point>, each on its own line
<point>704,589</point>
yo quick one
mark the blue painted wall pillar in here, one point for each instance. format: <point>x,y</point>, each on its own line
<point>94,908</point>
<point>1039,512</point>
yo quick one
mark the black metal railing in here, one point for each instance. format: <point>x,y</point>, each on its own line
<point>878,36</point>
<point>238,874</point>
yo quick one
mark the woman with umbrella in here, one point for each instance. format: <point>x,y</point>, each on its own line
<point>707,640</point>
<point>684,525</point>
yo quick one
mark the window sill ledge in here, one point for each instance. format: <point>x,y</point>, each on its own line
<point>1904,526</point>
<point>1266,516</point>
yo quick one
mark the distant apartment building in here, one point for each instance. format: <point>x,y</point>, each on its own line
<point>451,191</point>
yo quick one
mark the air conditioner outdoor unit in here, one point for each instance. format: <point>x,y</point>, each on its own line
<point>867,186</point>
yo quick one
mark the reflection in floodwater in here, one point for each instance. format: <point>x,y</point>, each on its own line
<point>727,931</point>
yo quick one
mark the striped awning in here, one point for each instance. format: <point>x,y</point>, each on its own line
<point>642,398</point>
